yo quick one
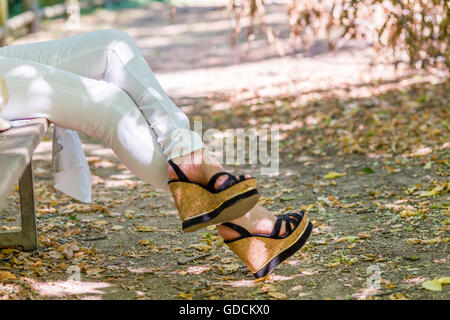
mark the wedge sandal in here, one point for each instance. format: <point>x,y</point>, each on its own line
<point>200,206</point>
<point>262,253</point>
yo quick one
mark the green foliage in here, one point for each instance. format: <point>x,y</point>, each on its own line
<point>368,170</point>
<point>16,6</point>
<point>45,3</point>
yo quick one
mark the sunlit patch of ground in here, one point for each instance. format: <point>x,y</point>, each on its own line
<point>60,289</point>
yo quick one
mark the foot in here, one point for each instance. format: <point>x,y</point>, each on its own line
<point>258,220</point>
<point>200,166</point>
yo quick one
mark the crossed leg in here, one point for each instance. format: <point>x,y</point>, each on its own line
<point>113,56</point>
<point>61,80</point>
<point>95,108</point>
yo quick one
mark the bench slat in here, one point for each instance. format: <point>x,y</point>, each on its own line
<point>16,149</point>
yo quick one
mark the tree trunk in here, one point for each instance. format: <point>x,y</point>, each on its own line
<point>33,6</point>
<point>3,18</point>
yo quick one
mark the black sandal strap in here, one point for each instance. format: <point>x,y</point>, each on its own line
<point>297,216</point>
<point>289,225</point>
<point>229,182</point>
<point>242,231</point>
<point>178,171</point>
<point>294,218</point>
<point>289,218</point>
<point>277,227</point>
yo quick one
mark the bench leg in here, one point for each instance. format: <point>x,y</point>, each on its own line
<point>27,208</point>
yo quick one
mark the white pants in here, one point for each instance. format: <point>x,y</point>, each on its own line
<point>98,83</point>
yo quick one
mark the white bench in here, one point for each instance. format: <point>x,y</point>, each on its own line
<point>17,146</point>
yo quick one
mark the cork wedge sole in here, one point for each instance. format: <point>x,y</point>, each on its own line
<point>262,253</point>
<point>229,210</point>
<point>288,252</point>
<point>199,207</point>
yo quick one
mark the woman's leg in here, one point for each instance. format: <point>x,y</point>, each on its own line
<point>113,56</point>
<point>96,108</point>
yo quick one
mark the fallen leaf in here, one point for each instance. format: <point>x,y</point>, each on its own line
<point>186,296</point>
<point>5,275</point>
<point>55,255</point>
<point>144,242</point>
<point>203,247</point>
<point>432,285</point>
<point>407,213</point>
<point>68,249</point>
<point>364,235</point>
<point>277,295</point>
<point>94,271</point>
<point>129,214</point>
<point>398,296</point>
<point>413,241</point>
<point>444,280</point>
<point>432,241</point>
<point>347,238</point>
<point>267,288</point>
<point>145,228</point>
<point>367,170</point>
<point>9,251</point>
<point>333,175</point>
<point>333,264</point>
<point>432,192</point>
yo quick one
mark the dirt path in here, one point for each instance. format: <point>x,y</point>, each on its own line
<point>387,214</point>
